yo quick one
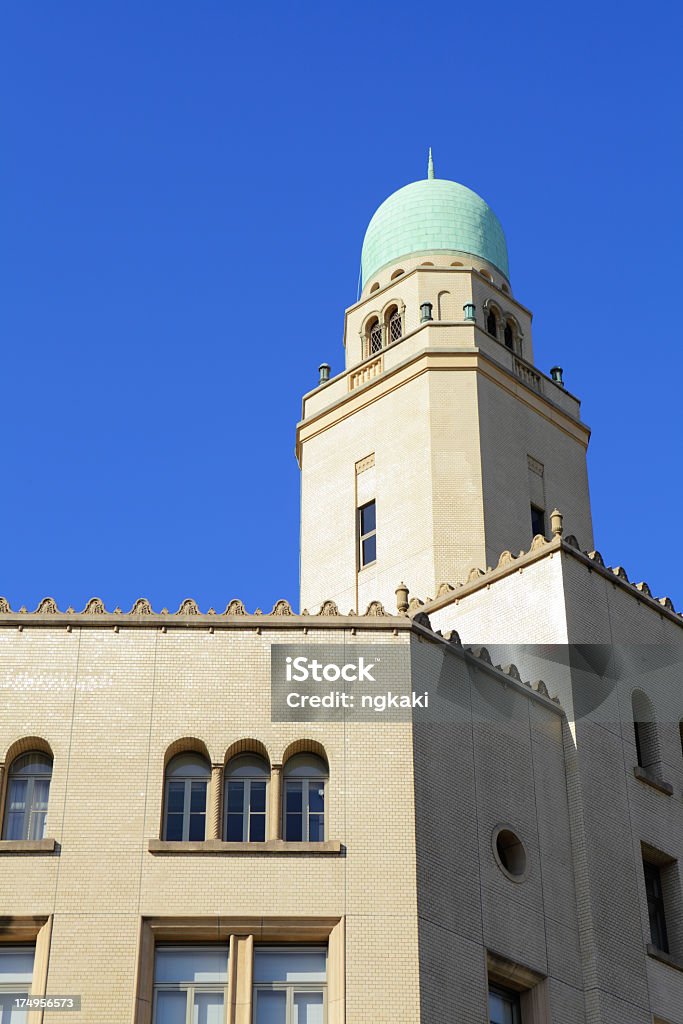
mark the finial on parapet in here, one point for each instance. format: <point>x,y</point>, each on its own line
<point>556,523</point>
<point>430,165</point>
<point>402,598</point>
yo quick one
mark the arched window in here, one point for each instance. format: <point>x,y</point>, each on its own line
<point>397,273</point>
<point>509,336</point>
<point>28,791</point>
<point>304,793</point>
<point>374,287</point>
<point>246,785</point>
<point>187,782</point>
<point>645,731</point>
<point>394,325</point>
<point>492,323</point>
<point>374,337</point>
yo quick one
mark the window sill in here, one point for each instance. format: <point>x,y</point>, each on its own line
<point>271,846</point>
<point>665,958</point>
<point>651,780</point>
<point>27,846</point>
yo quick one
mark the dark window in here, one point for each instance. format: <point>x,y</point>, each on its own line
<point>367,534</point>
<point>508,336</point>
<point>492,324</point>
<point>27,796</point>
<point>245,799</point>
<point>304,799</point>
<point>537,521</point>
<point>187,779</point>
<point>680,729</point>
<point>638,729</point>
<point>655,906</point>
<point>503,1006</point>
<point>395,327</point>
<point>375,337</point>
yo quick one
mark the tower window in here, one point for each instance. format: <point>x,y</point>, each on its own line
<point>655,905</point>
<point>395,326</point>
<point>492,323</point>
<point>508,337</point>
<point>503,1006</point>
<point>367,534</point>
<point>374,337</point>
<point>537,521</point>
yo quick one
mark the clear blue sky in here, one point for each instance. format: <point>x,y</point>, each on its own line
<point>185,188</point>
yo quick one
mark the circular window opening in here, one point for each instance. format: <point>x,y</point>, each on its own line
<point>511,853</point>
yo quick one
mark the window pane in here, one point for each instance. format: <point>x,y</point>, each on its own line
<point>197,828</point>
<point>367,518</point>
<point>37,825</point>
<point>369,550</point>
<point>187,766</point>
<point>257,828</point>
<point>16,965</point>
<point>316,828</point>
<point>171,1008</point>
<point>286,965</point>
<point>185,965</point>
<point>41,792</point>
<point>32,764</point>
<point>501,1009</point>
<point>316,797</point>
<point>258,796</point>
<point>15,826</point>
<point>293,791</point>
<point>308,1008</point>
<point>235,797</point>
<point>9,1013</point>
<point>176,797</point>
<point>17,795</point>
<point>174,827</point>
<point>271,1007</point>
<point>235,833</point>
<point>294,828</point>
<point>208,1008</point>
<point>198,796</point>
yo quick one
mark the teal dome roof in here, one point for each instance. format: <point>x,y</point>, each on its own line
<point>433,214</point>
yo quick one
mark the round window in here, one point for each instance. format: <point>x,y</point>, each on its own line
<point>510,853</point>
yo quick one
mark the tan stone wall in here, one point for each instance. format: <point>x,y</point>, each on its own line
<point>110,704</point>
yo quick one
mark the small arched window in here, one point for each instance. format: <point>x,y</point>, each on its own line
<point>374,287</point>
<point>304,798</point>
<point>246,786</point>
<point>374,337</point>
<point>397,273</point>
<point>509,336</point>
<point>187,783</point>
<point>645,731</point>
<point>492,323</point>
<point>395,327</point>
<point>28,791</point>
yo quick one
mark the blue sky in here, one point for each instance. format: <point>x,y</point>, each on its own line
<point>185,189</point>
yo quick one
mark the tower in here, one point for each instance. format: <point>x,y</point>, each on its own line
<point>440,444</point>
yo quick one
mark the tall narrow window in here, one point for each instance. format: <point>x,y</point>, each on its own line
<point>503,1006</point>
<point>190,984</point>
<point>537,521</point>
<point>367,534</point>
<point>187,780</point>
<point>304,795</point>
<point>16,975</point>
<point>492,324</point>
<point>374,337</point>
<point>246,783</point>
<point>508,336</point>
<point>644,731</point>
<point>290,986</point>
<point>395,326</point>
<point>27,797</point>
<point>655,906</point>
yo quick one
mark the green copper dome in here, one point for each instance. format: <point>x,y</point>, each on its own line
<point>433,214</point>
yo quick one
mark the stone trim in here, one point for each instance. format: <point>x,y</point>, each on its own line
<point>664,958</point>
<point>219,846</point>
<point>652,780</point>
<point>39,931</point>
<point>28,845</point>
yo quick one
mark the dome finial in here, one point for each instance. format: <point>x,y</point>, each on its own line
<point>430,165</point>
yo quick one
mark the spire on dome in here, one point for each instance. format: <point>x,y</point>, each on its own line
<point>430,165</point>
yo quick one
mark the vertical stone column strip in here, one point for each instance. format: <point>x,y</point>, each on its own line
<point>244,978</point>
<point>40,965</point>
<point>232,979</point>
<point>2,798</point>
<point>336,975</point>
<point>144,988</point>
<point>215,801</point>
<point>275,803</point>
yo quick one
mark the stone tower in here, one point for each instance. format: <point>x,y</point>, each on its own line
<point>440,444</point>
